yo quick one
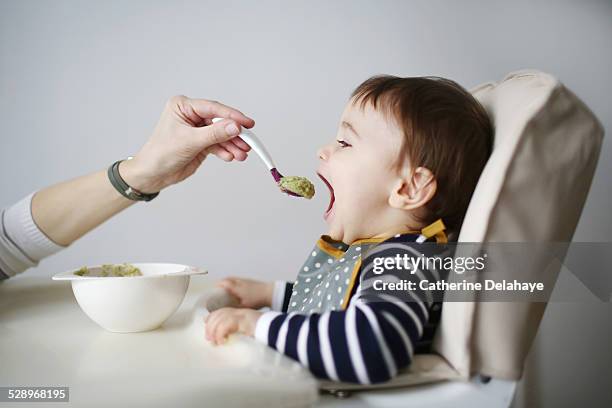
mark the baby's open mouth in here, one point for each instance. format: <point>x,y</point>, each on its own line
<point>332,197</point>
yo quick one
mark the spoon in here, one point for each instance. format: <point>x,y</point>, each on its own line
<point>258,147</point>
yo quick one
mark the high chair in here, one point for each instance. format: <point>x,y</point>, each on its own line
<point>532,189</point>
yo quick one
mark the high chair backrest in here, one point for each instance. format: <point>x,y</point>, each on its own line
<point>532,189</point>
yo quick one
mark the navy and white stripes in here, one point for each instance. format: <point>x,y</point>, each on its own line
<point>372,339</point>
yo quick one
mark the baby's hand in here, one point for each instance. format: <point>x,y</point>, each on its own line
<point>250,293</point>
<point>223,322</point>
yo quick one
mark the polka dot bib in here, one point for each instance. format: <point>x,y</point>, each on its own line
<point>328,276</point>
<point>326,279</point>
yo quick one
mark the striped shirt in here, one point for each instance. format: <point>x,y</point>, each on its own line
<point>374,337</point>
<point>22,244</point>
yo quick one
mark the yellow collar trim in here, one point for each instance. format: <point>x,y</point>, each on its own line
<point>436,229</point>
<point>368,241</point>
<point>379,240</point>
<point>349,289</point>
<point>329,248</point>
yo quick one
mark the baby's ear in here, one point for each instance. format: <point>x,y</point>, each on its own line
<point>414,190</point>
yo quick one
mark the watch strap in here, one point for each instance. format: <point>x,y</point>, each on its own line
<point>124,188</point>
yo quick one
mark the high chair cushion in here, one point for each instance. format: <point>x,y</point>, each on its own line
<point>532,189</point>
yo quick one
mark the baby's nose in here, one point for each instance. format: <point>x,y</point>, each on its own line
<point>322,153</point>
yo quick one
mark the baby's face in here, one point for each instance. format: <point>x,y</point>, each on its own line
<point>359,169</point>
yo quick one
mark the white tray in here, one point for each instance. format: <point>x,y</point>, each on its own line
<point>46,340</point>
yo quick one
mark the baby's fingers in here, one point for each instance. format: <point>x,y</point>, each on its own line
<point>232,289</point>
<point>227,283</point>
<point>207,329</point>
<point>224,329</point>
<point>211,321</point>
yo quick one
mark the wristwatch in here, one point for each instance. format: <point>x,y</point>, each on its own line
<point>124,188</point>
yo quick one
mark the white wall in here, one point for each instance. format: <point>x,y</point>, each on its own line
<point>82,84</point>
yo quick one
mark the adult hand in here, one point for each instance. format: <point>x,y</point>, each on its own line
<point>182,139</point>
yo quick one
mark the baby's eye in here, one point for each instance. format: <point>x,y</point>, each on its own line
<point>342,143</point>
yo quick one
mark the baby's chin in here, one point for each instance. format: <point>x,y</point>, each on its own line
<point>340,234</point>
<point>342,230</point>
<point>335,233</point>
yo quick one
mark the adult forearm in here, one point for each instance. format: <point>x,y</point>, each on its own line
<point>68,210</point>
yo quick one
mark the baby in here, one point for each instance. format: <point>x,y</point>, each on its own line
<point>405,162</point>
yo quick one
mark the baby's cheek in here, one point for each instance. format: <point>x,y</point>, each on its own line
<point>369,188</point>
<point>363,201</point>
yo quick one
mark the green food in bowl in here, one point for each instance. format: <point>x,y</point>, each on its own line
<point>109,270</point>
<point>297,185</point>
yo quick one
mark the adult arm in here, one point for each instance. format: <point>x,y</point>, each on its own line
<point>54,217</point>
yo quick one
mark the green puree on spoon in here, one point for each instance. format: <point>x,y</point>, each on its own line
<point>292,185</point>
<point>300,186</point>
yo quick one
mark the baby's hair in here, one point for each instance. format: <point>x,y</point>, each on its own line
<point>446,131</point>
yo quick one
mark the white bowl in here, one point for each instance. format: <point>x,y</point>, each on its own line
<point>132,303</point>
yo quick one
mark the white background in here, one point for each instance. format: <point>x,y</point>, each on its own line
<point>82,85</point>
